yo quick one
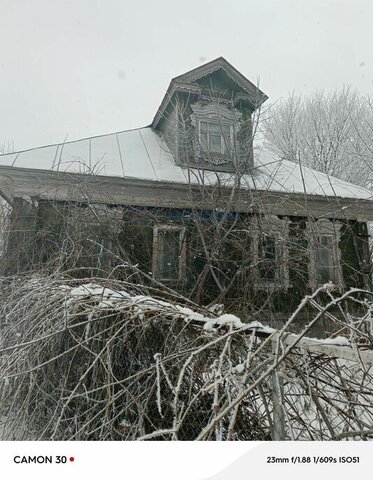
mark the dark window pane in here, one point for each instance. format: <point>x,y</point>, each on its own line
<point>324,261</point>
<point>215,143</point>
<point>169,249</point>
<point>298,253</point>
<point>215,128</point>
<point>225,144</point>
<point>204,141</point>
<point>226,129</point>
<point>267,258</point>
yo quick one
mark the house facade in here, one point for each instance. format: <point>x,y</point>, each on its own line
<point>190,202</point>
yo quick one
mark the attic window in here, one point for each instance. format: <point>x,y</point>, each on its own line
<point>215,137</point>
<point>169,253</point>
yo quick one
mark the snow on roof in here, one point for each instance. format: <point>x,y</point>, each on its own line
<point>142,154</point>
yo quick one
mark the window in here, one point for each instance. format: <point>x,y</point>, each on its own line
<point>325,268</point>
<point>169,253</point>
<point>270,253</point>
<point>215,137</point>
<point>298,253</point>
<point>268,258</point>
<point>232,258</point>
<point>215,123</point>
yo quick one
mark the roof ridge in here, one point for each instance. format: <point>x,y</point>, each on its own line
<point>72,141</point>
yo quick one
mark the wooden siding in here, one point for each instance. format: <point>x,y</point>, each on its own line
<point>99,238</point>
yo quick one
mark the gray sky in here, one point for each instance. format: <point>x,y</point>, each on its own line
<point>79,68</point>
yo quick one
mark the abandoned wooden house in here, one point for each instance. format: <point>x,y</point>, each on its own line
<point>189,202</point>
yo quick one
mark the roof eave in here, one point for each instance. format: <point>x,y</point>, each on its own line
<point>256,95</point>
<point>61,186</point>
<point>173,88</point>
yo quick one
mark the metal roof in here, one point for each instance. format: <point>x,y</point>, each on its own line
<point>142,154</point>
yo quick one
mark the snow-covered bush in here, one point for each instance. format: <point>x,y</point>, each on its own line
<point>106,360</point>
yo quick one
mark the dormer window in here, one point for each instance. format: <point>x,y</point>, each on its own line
<point>215,137</point>
<point>205,118</point>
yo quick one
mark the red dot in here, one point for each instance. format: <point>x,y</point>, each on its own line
<point>71,459</point>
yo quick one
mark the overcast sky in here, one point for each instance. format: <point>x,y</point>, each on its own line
<point>80,68</point>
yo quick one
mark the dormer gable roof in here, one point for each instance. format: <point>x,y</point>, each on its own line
<point>190,82</point>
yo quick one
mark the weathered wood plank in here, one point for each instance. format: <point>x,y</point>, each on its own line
<point>62,186</point>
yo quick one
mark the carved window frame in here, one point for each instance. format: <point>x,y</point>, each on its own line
<point>221,114</point>
<point>158,251</point>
